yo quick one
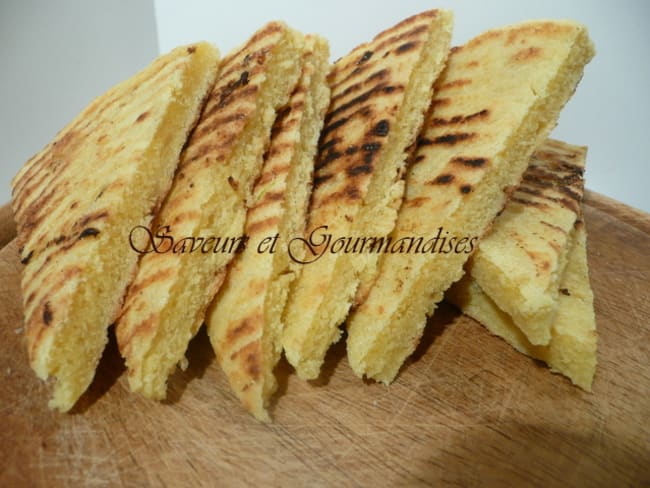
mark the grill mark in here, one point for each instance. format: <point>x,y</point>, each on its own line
<point>230,91</point>
<point>272,173</point>
<point>244,328</point>
<point>459,119</point>
<point>124,336</point>
<point>569,204</point>
<point>271,28</point>
<point>419,158</point>
<point>350,192</point>
<point>393,34</point>
<point>34,183</point>
<point>199,152</point>
<point>573,195</point>
<point>278,148</point>
<point>446,139</point>
<point>93,217</point>
<point>454,84</point>
<point>377,75</point>
<point>320,179</point>
<point>47,314</point>
<point>552,226</point>
<point>527,53</point>
<point>391,89</point>
<point>166,68</point>
<point>249,357</point>
<point>327,158</point>
<point>270,197</point>
<point>49,168</point>
<point>88,232</point>
<point>34,321</point>
<point>185,216</point>
<point>440,102</point>
<point>441,180</point>
<point>333,126</point>
<point>526,202</point>
<point>160,275</point>
<point>361,169</point>
<point>407,46</point>
<point>234,64</point>
<point>263,224</point>
<point>394,39</point>
<point>349,90</point>
<point>366,56</point>
<point>465,189</point>
<point>39,208</point>
<point>219,120</point>
<point>537,177</point>
<point>215,105</point>
<point>349,77</point>
<point>370,150</point>
<point>530,191</point>
<point>415,202</point>
<point>470,162</point>
<point>365,96</point>
<point>32,168</point>
<point>27,258</point>
<point>382,128</point>
<point>142,116</point>
<point>329,144</point>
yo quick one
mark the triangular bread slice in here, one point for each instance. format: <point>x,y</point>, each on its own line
<point>167,300</point>
<point>574,340</point>
<point>520,262</point>
<point>380,92</point>
<point>76,201</point>
<point>497,100</point>
<point>244,321</point>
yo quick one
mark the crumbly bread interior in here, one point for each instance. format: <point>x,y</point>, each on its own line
<point>380,92</point>
<point>495,103</point>
<point>520,262</point>
<point>166,304</point>
<point>105,174</point>
<point>572,348</point>
<point>244,321</point>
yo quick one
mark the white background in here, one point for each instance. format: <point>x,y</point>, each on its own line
<point>610,111</point>
<point>55,57</point>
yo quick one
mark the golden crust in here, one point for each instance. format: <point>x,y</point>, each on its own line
<point>498,98</point>
<point>380,92</point>
<point>244,322</point>
<point>166,304</point>
<point>539,230</point>
<point>74,203</point>
<point>520,262</point>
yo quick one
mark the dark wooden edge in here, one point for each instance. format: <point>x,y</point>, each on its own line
<point>629,215</point>
<point>7,226</point>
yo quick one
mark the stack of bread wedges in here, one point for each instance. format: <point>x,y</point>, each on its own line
<point>208,191</point>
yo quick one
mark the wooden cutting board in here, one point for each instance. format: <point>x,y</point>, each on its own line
<point>467,409</point>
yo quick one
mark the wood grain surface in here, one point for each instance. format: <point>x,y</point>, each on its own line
<point>467,409</point>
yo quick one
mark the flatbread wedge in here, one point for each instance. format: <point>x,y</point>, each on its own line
<point>244,322</point>
<point>76,201</point>
<point>572,350</point>
<point>520,262</point>
<point>497,100</point>
<point>380,92</point>
<point>205,211</point>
